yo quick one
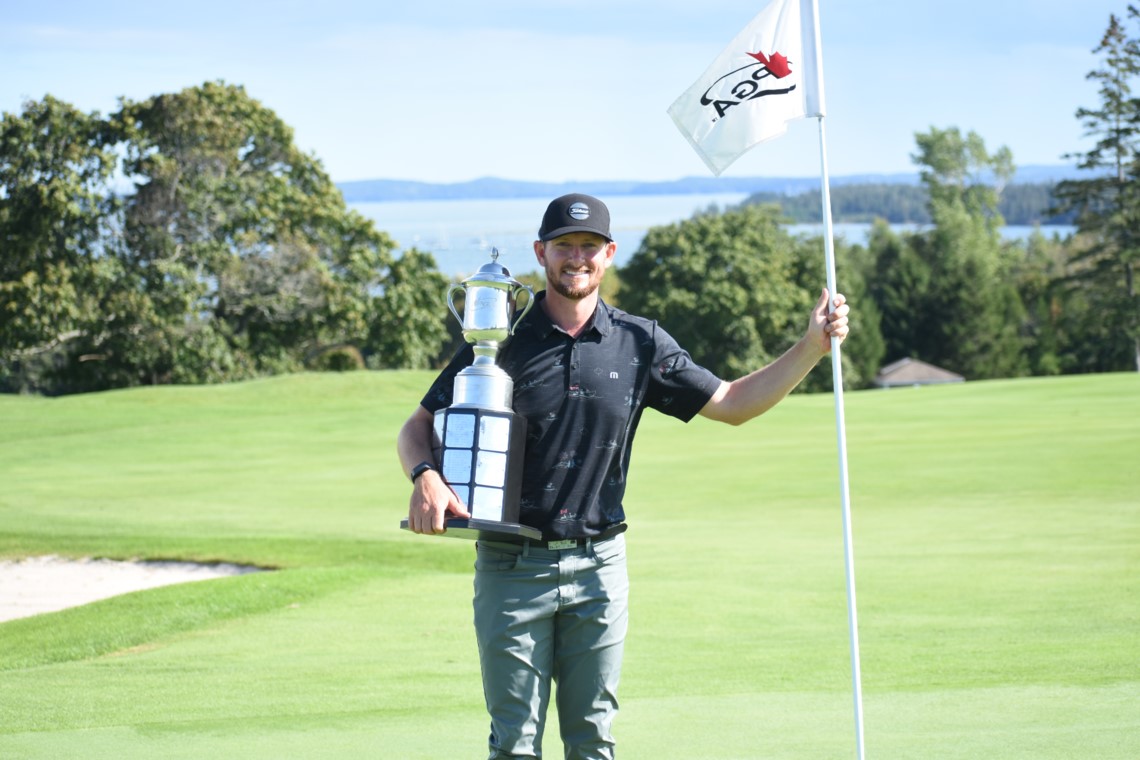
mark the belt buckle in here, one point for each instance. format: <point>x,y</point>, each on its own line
<point>559,545</point>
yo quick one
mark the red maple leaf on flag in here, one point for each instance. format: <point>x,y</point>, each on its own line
<point>777,64</point>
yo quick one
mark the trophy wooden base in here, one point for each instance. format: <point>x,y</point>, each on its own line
<point>484,530</point>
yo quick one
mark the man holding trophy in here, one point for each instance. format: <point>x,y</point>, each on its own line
<point>551,588</point>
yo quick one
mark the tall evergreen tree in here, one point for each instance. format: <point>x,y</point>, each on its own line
<point>1107,205</point>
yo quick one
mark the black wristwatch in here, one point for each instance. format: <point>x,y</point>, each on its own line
<point>421,468</point>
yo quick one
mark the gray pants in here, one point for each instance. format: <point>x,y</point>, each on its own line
<point>543,615</point>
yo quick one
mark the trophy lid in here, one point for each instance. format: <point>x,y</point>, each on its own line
<point>492,273</point>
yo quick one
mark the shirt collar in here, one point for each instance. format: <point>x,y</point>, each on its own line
<point>540,323</point>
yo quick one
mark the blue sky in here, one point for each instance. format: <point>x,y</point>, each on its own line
<point>558,90</point>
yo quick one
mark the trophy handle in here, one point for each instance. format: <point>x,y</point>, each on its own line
<point>529,303</point>
<point>451,300</point>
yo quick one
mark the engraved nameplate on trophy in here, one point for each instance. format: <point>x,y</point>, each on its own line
<point>478,454</point>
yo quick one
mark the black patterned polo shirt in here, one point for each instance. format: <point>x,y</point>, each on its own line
<point>582,399</point>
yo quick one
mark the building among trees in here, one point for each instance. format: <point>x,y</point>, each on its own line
<point>908,372</point>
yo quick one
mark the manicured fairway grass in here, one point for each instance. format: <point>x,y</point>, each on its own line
<point>997,539</point>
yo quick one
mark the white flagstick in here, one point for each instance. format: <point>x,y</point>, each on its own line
<point>773,31</point>
<point>841,432</point>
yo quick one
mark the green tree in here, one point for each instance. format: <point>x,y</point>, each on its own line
<point>1040,275</point>
<point>232,254</point>
<point>55,166</point>
<point>410,326</point>
<point>239,244</point>
<point>899,288</point>
<point>734,288</point>
<point>721,284</point>
<point>975,311</point>
<point>1107,204</point>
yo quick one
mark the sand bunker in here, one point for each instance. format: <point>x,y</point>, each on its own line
<point>47,584</point>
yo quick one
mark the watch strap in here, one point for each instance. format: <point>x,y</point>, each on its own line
<point>420,469</point>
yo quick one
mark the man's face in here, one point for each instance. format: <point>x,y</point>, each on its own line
<point>575,262</point>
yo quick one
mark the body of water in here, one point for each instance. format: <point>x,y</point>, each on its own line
<point>461,233</point>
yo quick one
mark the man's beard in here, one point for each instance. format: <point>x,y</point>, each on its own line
<point>554,281</point>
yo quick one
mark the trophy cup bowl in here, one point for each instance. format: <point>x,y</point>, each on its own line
<point>490,304</point>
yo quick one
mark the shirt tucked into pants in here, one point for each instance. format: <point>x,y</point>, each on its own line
<point>545,615</point>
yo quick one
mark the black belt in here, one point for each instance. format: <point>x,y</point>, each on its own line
<point>572,543</point>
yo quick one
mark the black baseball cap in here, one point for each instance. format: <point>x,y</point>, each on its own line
<point>575,213</point>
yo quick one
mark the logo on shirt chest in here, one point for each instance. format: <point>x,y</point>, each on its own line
<point>526,385</point>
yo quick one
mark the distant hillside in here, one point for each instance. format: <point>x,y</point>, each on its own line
<point>362,191</point>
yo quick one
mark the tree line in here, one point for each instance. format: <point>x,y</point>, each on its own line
<point>1028,204</point>
<point>185,239</point>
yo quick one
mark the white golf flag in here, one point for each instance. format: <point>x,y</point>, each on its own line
<point>770,74</point>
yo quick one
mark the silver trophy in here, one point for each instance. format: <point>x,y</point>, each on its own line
<point>479,441</point>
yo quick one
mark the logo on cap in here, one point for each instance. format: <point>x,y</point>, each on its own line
<point>579,211</point>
